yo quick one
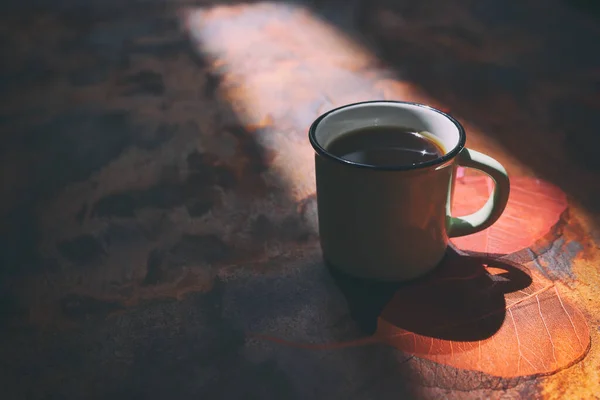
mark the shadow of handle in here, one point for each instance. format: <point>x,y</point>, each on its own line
<point>495,205</point>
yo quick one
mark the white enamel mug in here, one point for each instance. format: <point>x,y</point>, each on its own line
<point>394,223</point>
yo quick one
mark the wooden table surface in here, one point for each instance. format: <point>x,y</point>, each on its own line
<point>158,230</point>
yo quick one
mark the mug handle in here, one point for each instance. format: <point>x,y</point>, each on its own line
<point>494,206</point>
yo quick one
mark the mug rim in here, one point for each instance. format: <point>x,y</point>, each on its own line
<point>440,160</point>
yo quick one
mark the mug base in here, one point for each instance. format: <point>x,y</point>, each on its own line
<point>391,277</point>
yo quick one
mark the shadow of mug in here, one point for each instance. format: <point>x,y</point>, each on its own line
<point>461,300</point>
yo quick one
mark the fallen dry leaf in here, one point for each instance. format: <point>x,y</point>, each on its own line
<point>487,314</point>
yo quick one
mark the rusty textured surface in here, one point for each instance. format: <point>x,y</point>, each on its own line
<point>157,199</point>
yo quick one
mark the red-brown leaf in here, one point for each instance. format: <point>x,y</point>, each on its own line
<point>487,314</point>
<point>534,207</point>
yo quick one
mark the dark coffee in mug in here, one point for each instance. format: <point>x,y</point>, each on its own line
<point>385,146</point>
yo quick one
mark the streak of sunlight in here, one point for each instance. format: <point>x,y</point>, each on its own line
<point>281,66</point>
